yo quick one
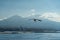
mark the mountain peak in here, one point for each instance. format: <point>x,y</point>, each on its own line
<point>15,17</point>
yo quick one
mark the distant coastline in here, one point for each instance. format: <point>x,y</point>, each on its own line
<point>19,32</point>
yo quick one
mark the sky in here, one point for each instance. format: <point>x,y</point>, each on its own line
<point>26,8</point>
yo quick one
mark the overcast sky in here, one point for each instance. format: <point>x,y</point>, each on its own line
<point>27,7</point>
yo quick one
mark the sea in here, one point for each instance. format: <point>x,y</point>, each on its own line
<point>30,36</point>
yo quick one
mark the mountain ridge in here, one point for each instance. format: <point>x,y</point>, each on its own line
<point>17,21</point>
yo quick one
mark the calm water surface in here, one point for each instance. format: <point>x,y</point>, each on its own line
<point>31,36</point>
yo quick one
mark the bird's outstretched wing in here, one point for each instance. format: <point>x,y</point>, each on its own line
<point>40,20</point>
<point>36,20</point>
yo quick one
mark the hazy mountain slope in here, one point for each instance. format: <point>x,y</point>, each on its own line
<point>17,21</point>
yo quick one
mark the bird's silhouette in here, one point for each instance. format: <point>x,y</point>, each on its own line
<point>36,20</point>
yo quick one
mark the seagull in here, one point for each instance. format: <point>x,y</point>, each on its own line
<point>36,20</point>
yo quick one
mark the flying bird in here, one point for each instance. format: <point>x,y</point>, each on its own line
<point>36,20</point>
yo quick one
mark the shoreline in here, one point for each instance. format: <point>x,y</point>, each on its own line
<point>18,32</point>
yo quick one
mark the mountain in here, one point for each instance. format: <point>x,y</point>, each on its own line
<point>17,21</point>
<point>12,21</point>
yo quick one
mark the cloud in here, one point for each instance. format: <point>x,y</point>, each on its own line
<point>30,13</point>
<point>51,16</point>
<point>33,10</point>
<point>3,18</point>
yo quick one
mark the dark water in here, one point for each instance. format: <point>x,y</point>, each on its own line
<point>31,36</point>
